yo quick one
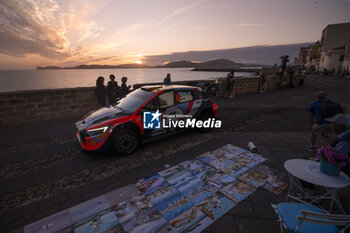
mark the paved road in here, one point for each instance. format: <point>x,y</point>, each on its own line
<point>44,171</point>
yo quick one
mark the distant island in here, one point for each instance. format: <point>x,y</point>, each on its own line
<point>213,65</point>
<point>93,67</point>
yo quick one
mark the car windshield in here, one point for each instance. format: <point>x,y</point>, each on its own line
<point>133,100</point>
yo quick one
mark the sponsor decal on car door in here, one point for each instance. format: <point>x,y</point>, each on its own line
<point>159,105</point>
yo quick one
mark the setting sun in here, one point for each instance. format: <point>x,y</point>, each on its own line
<point>174,116</point>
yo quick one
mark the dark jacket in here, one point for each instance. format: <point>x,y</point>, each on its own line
<point>230,82</point>
<point>167,81</point>
<point>100,92</point>
<point>124,89</point>
<point>112,89</point>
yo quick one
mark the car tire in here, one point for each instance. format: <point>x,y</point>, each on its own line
<point>125,141</point>
<point>204,116</point>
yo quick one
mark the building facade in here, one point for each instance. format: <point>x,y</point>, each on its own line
<point>331,52</point>
<point>335,36</point>
<point>332,59</point>
<point>303,53</point>
<point>346,62</point>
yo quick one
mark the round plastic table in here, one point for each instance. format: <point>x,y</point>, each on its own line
<point>309,171</point>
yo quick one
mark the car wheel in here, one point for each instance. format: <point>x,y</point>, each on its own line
<point>125,141</point>
<point>203,117</point>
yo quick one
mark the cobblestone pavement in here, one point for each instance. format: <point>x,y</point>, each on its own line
<point>42,169</point>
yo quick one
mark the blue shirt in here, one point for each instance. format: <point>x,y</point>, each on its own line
<point>167,81</point>
<point>284,61</point>
<point>315,107</point>
<point>343,146</point>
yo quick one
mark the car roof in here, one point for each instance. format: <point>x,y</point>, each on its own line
<point>157,88</point>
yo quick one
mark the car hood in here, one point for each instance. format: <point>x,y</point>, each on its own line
<point>99,116</point>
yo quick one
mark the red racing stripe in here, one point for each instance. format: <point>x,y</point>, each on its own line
<point>189,107</point>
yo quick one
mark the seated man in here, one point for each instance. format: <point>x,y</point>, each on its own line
<point>340,125</point>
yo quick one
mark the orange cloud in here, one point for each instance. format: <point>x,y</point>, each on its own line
<point>43,28</point>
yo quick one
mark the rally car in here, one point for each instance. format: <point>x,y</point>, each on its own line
<point>122,127</point>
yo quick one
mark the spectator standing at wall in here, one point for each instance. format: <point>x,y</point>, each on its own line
<point>167,80</point>
<point>230,81</point>
<point>342,74</point>
<point>100,91</point>
<point>301,75</point>
<point>112,89</point>
<point>124,87</point>
<point>233,84</point>
<point>284,61</point>
<point>339,72</point>
<point>290,74</point>
<point>262,82</point>
<point>228,85</point>
<point>324,72</point>
<point>332,72</point>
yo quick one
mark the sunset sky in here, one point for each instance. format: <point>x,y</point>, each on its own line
<point>72,32</point>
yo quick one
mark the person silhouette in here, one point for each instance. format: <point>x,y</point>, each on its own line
<point>284,61</point>
<point>100,91</point>
<point>167,80</point>
<point>112,88</point>
<point>124,87</point>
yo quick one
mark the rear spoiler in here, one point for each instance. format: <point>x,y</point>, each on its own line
<point>209,89</point>
<point>150,88</point>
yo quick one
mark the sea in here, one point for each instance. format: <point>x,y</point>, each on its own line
<point>19,80</point>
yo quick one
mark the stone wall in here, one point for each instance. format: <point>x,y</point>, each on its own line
<point>270,70</point>
<point>251,85</point>
<point>275,81</point>
<point>43,105</point>
<point>25,107</point>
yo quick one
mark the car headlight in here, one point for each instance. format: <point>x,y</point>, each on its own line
<point>98,131</point>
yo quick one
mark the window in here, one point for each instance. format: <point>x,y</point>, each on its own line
<point>162,101</point>
<point>184,96</point>
<point>166,99</point>
<point>197,95</point>
<point>341,58</point>
<point>154,105</point>
<point>134,100</point>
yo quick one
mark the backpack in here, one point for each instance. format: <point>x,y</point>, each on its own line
<point>330,109</point>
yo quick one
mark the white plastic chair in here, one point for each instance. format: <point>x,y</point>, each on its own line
<point>305,218</point>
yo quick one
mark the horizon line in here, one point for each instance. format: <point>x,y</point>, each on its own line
<point>166,54</point>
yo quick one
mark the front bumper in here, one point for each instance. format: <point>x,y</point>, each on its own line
<point>92,143</point>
